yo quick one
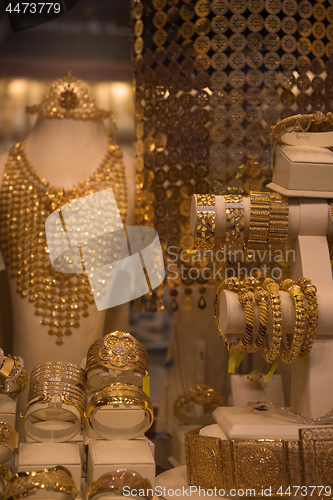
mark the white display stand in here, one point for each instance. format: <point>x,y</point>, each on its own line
<point>38,456</point>
<point>178,444</point>
<point>248,423</point>
<point>119,423</point>
<point>309,225</point>
<point>107,456</point>
<point>7,410</point>
<point>243,390</point>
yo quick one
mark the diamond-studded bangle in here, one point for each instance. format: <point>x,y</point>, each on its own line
<point>234,208</point>
<point>205,228</point>
<point>278,221</point>
<point>259,221</point>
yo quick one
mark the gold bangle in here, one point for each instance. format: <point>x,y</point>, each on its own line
<point>116,351</point>
<point>115,395</point>
<point>278,221</point>
<point>114,482</point>
<point>58,372</point>
<point>56,478</point>
<point>298,123</point>
<point>234,207</point>
<point>202,395</point>
<point>294,291</point>
<point>205,229</point>
<point>7,442</point>
<point>271,352</point>
<point>310,292</point>
<point>231,284</point>
<point>259,221</point>
<point>13,377</point>
<point>261,297</point>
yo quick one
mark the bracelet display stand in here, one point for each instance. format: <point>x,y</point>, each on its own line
<point>310,224</point>
<point>178,444</point>
<point>7,410</point>
<point>243,391</point>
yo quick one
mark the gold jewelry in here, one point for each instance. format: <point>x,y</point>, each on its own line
<point>258,464</point>
<point>271,352</point>
<point>325,419</point>
<point>55,395</point>
<point>235,221</point>
<point>310,292</point>
<point>68,98</point>
<point>205,232</point>
<point>114,482</point>
<point>58,371</point>
<point>26,201</point>
<point>56,478</point>
<point>116,351</point>
<point>278,221</point>
<point>259,221</point>
<point>13,377</point>
<point>115,395</point>
<point>5,474</point>
<point>202,395</point>
<point>7,442</point>
<point>298,123</point>
<point>299,328</point>
<point>261,297</point>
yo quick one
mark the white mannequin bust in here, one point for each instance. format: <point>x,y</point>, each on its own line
<point>64,152</point>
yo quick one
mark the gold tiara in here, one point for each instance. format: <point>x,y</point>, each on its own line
<point>68,98</point>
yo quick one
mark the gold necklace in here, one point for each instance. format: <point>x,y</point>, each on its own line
<point>26,201</point>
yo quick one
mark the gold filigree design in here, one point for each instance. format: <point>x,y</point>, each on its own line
<point>119,350</point>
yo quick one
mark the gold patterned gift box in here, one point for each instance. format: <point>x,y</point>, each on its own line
<point>267,467</point>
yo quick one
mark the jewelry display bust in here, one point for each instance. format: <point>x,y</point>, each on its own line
<point>65,154</point>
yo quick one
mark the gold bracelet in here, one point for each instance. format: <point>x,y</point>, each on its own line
<point>7,442</point>
<point>259,221</point>
<point>114,482</point>
<point>310,292</point>
<point>202,395</point>
<point>298,123</point>
<point>261,297</point>
<point>2,359</point>
<point>56,478</point>
<point>325,419</point>
<point>116,351</point>
<point>59,372</point>
<point>278,221</point>
<point>114,395</point>
<point>271,352</point>
<point>234,207</point>
<point>294,291</point>
<point>13,377</point>
<point>205,229</point>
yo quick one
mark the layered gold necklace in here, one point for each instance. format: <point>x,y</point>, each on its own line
<point>26,201</point>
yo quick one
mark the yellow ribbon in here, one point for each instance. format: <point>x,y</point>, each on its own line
<point>146,384</point>
<point>235,359</point>
<point>271,371</point>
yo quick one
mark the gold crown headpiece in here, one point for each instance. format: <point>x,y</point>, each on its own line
<point>68,98</point>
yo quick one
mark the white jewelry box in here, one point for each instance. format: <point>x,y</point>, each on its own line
<point>298,170</point>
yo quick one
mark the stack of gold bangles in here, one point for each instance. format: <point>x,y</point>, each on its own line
<point>57,392</point>
<point>250,291</point>
<point>13,377</point>
<point>117,366</point>
<point>56,479</point>
<point>268,222</point>
<point>117,357</point>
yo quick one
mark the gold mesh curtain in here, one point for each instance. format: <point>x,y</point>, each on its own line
<point>211,78</point>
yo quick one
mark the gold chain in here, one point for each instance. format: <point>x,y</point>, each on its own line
<point>26,201</point>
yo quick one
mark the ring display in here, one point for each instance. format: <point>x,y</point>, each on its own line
<point>119,425</point>
<point>7,442</point>
<point>57,479</point>
<point>117,357</point>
